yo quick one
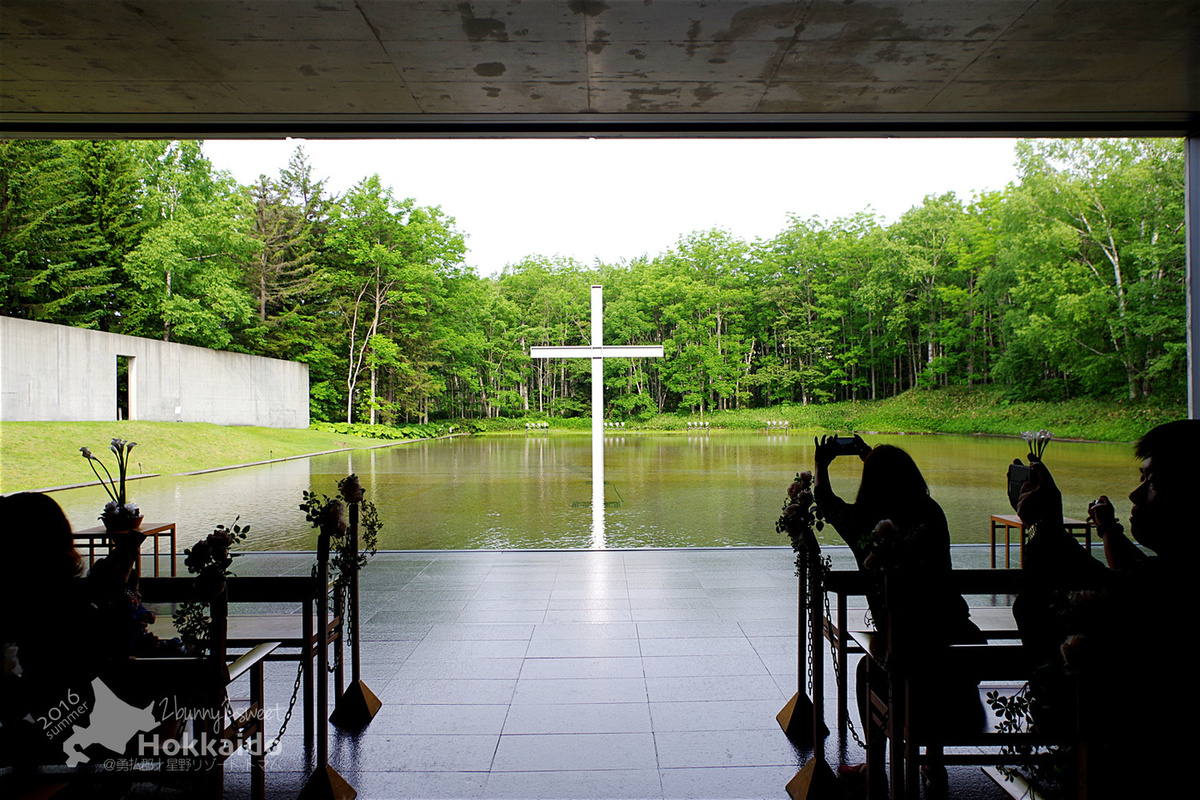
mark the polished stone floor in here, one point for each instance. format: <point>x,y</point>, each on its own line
<point>570,674</point>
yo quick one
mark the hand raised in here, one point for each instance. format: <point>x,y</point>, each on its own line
<point>826,450</point>
<point>864,449</point>
<point>1102,513</point>
<point>1041,501</point>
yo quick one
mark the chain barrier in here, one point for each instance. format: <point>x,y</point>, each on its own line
<point>227,709</point>
<point>811,564</point>
<point>826,566</point>
<point>287,717</point>
<point>353,626</point>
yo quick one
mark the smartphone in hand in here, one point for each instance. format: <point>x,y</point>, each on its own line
<point>1018,474</point>
<point>847,446</point>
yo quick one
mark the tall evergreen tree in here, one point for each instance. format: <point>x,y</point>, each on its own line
<point>52,254</point>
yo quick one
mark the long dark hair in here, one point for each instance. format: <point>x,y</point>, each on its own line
<point>891,483</point>
<point>41,544</point>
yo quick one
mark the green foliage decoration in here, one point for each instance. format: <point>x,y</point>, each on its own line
<point>329,515</point>
<point>209,559</point>
<point>801,520</point>
<point>1014,715</point>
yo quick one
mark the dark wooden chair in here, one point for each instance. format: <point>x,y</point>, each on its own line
<point>219,716</point>
<point>299,635</point>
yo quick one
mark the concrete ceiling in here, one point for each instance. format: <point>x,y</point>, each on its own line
<point>597,67</point>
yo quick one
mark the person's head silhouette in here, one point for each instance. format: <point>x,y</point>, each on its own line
<point>42,545</point>
<point>891,482</point>
<point>1162,514</point>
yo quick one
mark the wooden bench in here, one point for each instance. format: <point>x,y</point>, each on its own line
<point>299,636</point>
<point>996,622</point>
<point>896,711</point>
<point>219,717</point>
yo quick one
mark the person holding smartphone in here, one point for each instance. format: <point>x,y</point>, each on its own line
<point>894,525</point>
<point>1102,634</point>
<point>917,539</point>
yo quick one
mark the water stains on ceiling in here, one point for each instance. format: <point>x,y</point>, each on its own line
<point>308,58</point>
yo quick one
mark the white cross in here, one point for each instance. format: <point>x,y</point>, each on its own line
<point>597,352</point>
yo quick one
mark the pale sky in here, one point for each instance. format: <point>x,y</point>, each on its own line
<point>616,199</point>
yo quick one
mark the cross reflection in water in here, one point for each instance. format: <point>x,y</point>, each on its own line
<point>597,352</point>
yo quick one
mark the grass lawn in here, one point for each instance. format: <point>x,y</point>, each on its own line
<point>37,455</point>
<point>962,410</point>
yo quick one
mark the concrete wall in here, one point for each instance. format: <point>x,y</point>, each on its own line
<point>55,372</point>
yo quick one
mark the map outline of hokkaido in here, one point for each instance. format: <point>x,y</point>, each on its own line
<point>113,724</point>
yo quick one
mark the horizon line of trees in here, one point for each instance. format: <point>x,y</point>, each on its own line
<point>1069,282</point>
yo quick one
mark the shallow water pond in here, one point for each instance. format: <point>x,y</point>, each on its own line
<point>534,491</point>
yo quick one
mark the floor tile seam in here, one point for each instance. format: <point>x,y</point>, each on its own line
<point>525,653</point>
<point>576,679</point>
<point>576,770</point>
<point>430,661</point>
<point>579,734</point>
<point>500,736</point>
<point>758,655</point>
<point>401,588</point>
<point>426,569</point>
<point>625,579</point>
<point>497,603</point>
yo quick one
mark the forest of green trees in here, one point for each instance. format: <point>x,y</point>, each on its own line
<point>1068,283</point>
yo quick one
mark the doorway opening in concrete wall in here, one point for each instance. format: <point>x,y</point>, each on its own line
<point>125,384</point>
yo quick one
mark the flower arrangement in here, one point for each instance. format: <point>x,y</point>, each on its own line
<point>800,519</point>
<point>891,546</point>
<point>209,560</point>
<point>119,513</point>
<point>1037,441</point>
<point>329,514</point>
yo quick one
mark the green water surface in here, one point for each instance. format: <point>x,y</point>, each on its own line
<point>661,490</point>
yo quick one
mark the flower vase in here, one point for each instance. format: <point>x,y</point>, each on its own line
<point>118,523</point>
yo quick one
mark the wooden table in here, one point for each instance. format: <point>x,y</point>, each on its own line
<point>99,537</point>
<point>1075,527</point>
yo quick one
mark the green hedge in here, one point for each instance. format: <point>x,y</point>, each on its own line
<point>410,431</point>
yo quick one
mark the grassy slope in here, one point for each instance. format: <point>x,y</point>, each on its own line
<point>954,410</point>
<point>44,454</point>
<point>969,411</point>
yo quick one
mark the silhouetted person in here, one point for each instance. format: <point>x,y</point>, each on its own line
<point>1110,635</point>
<point>895,526</point>
<point>47,623</point>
